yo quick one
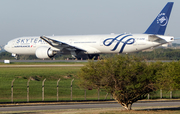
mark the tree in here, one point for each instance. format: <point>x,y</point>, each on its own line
<point>168,77</point>
<point>128,79</point>
<point>6,55</point>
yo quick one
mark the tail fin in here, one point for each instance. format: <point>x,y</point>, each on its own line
<point>158,26</point>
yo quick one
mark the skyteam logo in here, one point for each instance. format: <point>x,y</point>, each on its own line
<point>162,19</point>
<point>122,38</point>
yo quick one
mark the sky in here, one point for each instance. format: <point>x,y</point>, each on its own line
<point>81,17</point>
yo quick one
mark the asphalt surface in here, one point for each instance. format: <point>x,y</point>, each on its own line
<point>88,106</point>
<point>46,61</point>
<point>43,65</point>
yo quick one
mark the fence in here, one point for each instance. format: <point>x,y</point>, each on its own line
<point>49,91</point>
<point>62,90</point>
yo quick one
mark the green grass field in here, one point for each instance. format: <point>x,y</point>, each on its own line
<point>36,76</point>
<point>52,74</point>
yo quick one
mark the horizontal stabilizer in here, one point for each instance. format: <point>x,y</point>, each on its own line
<point>160,38</point>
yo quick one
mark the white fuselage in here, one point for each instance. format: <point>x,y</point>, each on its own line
<point>91,44</point>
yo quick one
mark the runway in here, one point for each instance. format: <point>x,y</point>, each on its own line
<point>46,61</point>
<point>44,65</point>
<point>88,106</point>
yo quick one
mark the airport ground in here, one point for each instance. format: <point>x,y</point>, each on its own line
<point>146,108</point>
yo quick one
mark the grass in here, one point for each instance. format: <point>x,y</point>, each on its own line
<point>117,111</point>
<point>52,74</point>
<point>36,76</point>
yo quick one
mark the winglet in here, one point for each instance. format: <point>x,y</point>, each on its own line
<point>159,25</point>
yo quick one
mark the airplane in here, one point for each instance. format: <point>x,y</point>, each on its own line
<point>90,46</point>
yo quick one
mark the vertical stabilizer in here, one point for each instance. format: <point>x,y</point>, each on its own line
<point>159,25</point>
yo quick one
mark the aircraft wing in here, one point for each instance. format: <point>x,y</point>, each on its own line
<point>59,44</point>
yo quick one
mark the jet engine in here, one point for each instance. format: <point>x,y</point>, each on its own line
<point>44,52</point>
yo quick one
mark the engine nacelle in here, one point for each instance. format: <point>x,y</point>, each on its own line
<point>44,52</point>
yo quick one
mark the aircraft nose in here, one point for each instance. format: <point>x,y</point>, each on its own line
<point>6,47</point>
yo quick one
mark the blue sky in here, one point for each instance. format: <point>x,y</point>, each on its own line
<point>79,17</point>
